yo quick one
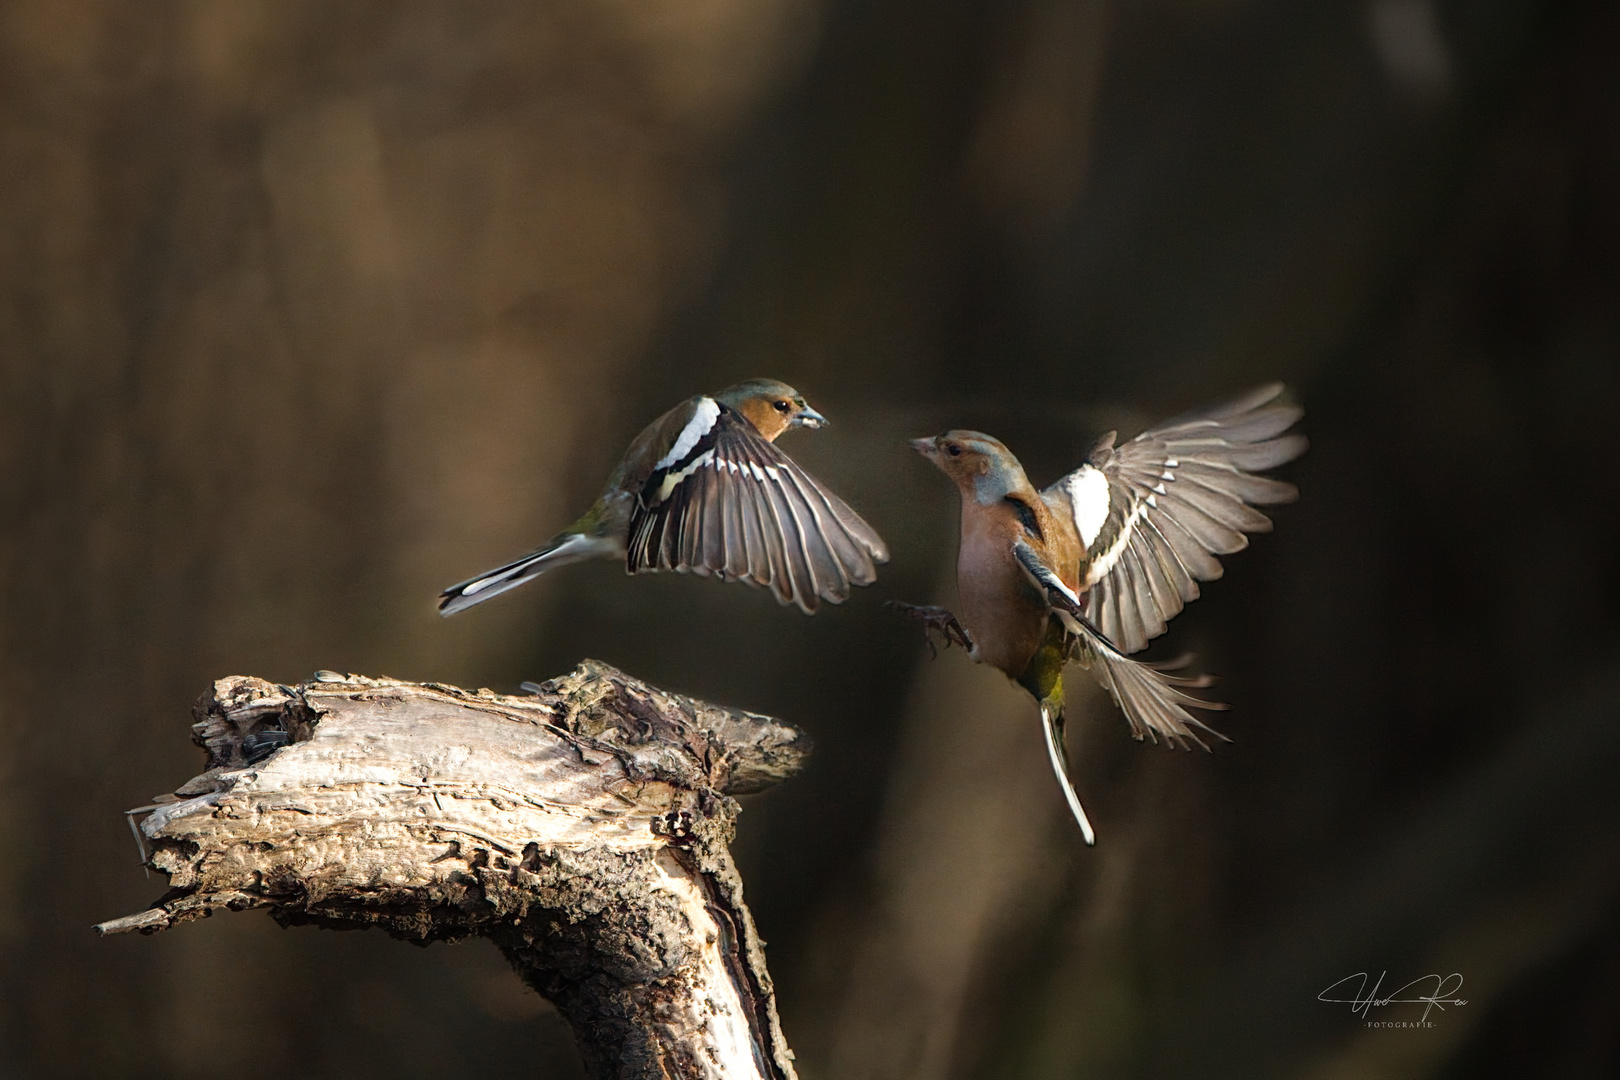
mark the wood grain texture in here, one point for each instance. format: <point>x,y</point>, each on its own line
<point>582,828</point>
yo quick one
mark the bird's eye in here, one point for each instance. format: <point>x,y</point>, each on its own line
<point>782,406</point>
<point>953,450</point>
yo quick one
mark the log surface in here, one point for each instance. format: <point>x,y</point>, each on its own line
<point>582,828</point>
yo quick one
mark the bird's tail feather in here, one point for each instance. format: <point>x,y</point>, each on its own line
<point>560,551</point>
<point>1052,726</point>
<point>1152,699</point>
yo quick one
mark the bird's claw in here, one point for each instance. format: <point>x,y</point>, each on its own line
<point>934,620</point>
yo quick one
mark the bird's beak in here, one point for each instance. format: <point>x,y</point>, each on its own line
<point>809,418</point>
<point>925,447</point>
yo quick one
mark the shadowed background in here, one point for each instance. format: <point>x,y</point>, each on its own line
<point>310,309</point>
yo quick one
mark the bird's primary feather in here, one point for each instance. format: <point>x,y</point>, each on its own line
<point>1154,702</point>
<point>1154,513</point>
<point>733,505</point>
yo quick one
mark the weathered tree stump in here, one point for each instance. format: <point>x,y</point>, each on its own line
<point>582,828</point>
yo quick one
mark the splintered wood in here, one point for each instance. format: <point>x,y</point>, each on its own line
<point>582,828</point>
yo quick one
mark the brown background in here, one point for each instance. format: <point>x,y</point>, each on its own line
<point>308,309</point>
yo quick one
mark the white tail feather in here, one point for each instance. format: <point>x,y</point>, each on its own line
<point>1061,768</point>
<point>559,553</point>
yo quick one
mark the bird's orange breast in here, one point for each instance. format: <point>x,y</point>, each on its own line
<point>1001,610</point>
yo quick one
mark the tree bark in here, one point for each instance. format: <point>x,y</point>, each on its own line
<point>582,828</point>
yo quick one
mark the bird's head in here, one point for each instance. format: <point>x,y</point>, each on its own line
<point>981,466</point>
<point>772,407</point>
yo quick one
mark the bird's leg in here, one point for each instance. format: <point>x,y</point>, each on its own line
<point>934,620</point>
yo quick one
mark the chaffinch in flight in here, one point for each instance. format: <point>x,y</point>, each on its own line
<point>1092,567</point>
<point>703,489</point>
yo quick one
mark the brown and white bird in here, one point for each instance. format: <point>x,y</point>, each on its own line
<point>1092,567</point>
<point>704,490</point>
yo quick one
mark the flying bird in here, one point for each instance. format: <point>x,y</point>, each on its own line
<point>1092,567</point>
<point>704,490</point>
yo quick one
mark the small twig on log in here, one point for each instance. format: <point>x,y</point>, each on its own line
<point>583,829</point>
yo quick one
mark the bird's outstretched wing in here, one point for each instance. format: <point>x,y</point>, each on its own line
<point>731,504</point>
<point>1154,701</point>
<point>1154,513</point>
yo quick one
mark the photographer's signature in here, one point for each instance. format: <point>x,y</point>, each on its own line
<point>1362,1000</point>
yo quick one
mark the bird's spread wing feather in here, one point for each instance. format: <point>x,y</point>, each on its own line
<point>1154,701</point>
<point>727,502</point>
<point>1154,514</point>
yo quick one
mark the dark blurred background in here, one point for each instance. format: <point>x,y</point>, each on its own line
<point>308,309</point>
